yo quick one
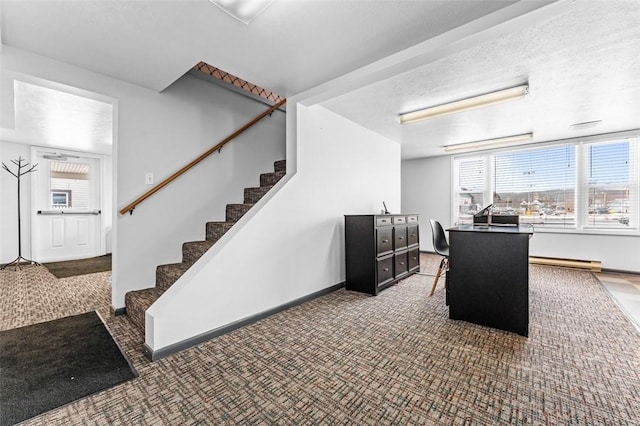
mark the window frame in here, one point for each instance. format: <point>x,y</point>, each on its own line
<point>581,198</point>
<point>486,193</point>
<point>67,199</point>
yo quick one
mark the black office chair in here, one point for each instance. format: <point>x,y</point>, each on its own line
<point>441,247</point>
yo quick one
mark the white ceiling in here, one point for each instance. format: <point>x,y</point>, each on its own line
<point>581,60</point>
<point>291,47</point>
<point>50,117</point>
<point>370,60</point>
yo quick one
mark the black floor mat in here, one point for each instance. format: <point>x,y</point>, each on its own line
<point>50,364</point>
<point>72,268</point>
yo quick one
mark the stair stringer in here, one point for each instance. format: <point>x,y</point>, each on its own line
<point>165,305</point>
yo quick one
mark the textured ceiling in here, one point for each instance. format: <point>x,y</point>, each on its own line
<point>370,60</point>
<point>49,117</point>
<point>582,63</point>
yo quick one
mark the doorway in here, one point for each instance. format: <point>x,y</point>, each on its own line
<point>67,221</point>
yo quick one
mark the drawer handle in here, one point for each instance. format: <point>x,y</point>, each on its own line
<point>385,241</point>
<point>401,238</point>
<point>414,258</point>
<point>386,269</point>
<point>402,263</point>
<point>413,235</point>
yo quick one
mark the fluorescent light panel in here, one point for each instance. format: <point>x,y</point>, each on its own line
<point>490,143</point>
<point>244,11</point>
<point>492,98</point>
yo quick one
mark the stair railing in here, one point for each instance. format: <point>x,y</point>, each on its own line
<point>129,208</point>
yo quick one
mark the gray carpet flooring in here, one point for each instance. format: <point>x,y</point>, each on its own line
<point>349,358</point>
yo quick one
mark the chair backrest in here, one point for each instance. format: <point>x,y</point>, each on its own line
<point>440,244</point>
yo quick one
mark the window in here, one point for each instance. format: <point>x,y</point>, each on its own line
<point>69,185</point>
<point>538,185</point>
<point>609,185</point>
<point>590,184</point>
<point>470,182</point>
<point>60,199</point>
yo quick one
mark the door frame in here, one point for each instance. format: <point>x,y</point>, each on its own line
<point>105,192</point>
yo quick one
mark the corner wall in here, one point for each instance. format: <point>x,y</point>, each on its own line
<point>426,190</point>
<point>294,244</point>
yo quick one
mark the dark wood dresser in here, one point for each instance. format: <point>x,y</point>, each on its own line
<point>380,250</point>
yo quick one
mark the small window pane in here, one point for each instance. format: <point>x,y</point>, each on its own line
<point>471,178</point>
<point>609,186</point>
<point>60,199</point>
<point>538,185</point>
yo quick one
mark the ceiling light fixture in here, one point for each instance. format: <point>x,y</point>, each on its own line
<point>244,11</point>
<point>585,125</point>
<point>487,99</point>
<point>489,143</point>
<point>58,157</point>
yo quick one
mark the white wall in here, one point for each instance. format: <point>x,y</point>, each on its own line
<point>160,133</point>
<point>293,245</point>
<point>9,204</point>
<point>107,202</point>
<point>616,252</point>
<point>426,189</point>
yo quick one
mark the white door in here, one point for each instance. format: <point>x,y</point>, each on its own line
<point>66,206</point>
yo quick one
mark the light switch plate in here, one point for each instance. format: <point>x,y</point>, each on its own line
<point>148,178</point>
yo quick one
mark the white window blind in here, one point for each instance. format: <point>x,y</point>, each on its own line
<point>592,184</point>
<point>538,185</point>
<point>611,182</point>
<point>470,181</point>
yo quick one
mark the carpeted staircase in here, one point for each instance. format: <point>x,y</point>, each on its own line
<point>137,302</point>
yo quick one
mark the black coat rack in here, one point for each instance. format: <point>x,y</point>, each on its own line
<point>18,174</point>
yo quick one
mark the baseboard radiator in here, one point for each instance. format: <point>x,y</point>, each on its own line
<point>591,265</point>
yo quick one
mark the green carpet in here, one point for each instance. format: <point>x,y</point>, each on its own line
<point>71,268</point>
<point>50,364</point>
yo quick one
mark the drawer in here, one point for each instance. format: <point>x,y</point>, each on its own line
<point>384,220</point>
<point>384,241</point>
<point>399,220</point>
<point>399,237</point>
<point>385,270</point>
<point>414,260</point>
<point>412,219</point>
<point>401,263</point>
<point>412,235</point>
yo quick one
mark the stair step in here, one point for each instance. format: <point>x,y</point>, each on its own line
<point>235,211</point>
<point>270,179</point>
<point>193,250</point>
<point>137,303</point>
<point>166,275</point>
<point>252,195</point>
<point>215,230</point>
<point>280,166</point>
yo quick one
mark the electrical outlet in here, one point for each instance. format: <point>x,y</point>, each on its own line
<point>148,178</point>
